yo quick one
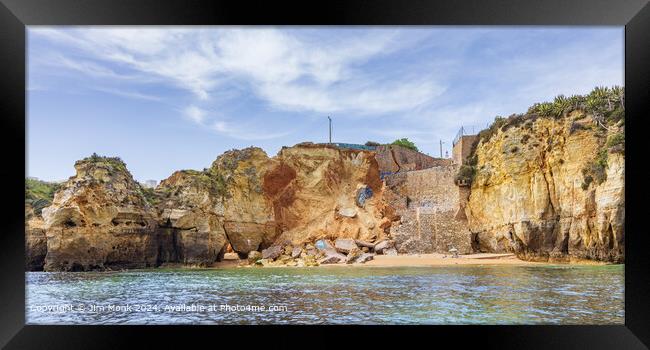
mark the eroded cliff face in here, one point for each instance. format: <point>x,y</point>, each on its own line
<point>189,229</point>
<point>320,191</point>
<point>531,193</point>
<point>35,242</point>
<point>99,219</point>
<point>305,193</point>
<point>246,211</point>
<point>102,219</point>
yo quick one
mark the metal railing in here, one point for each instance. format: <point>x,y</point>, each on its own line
<point>463,131</point>
<point>355,146</point>
<point>459,134</point>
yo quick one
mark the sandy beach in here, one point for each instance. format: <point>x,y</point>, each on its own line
<point>445,260</point>
<point>414,260</point>
<point>419,260</point>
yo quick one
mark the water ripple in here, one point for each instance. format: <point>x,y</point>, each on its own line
<point>422,295</point>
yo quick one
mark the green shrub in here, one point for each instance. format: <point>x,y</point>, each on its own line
<point>404,142</point>
<point>615,140</point>
<point>465,174</point>
<point>596,170</point>
<point>115,162</point>
<point>150,195</point>
<point>605,105</point>
<point>486,134</point>
<point>372,144</point>
<point>39,194</point>
<point>37,189</point>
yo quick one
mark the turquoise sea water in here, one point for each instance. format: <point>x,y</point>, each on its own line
<point>331,295</point>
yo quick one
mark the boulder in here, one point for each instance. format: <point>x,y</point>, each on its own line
<point>390,251</point>
<point>379,247</point>
<point>254,255</point>
<point>347,212</point>
<point>363,194</point>
<point>272,252</point>
<point>323,244</point>
<point>231,256</point>
<point>353,254</point>
<point>262,262</point>
<point>310,260</point>
<point>365,257</point>
<point>284,259</point>
<point>332,257</point>
<point>296,252</point>
<point>345,245</point>
<point>361,243</point>
<point>288,250</point>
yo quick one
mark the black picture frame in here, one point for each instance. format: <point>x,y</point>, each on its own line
<point>15,15</point>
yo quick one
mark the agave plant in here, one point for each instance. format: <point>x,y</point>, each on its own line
<point>619,94</point>
<point>544,109</point>
<point>577,102</point>
<point>561,105</point>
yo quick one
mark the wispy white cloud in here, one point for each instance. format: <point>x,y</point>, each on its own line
<point>195,114</point>
<point>128,94</point>
<point>245,133</point>
<point>287,71</point>
<point>448,78</point>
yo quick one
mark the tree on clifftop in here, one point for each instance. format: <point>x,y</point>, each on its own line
<point>405,143</point>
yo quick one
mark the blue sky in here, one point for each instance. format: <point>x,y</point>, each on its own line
<point>170,98</point>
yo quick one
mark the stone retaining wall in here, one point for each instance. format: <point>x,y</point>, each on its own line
<point>392,158</point>
<point>432,211</point>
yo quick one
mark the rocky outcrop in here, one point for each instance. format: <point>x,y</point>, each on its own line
<point>189,229</point>
<point>313,190</point>
<point>38,195</point>
<point>246,210</point>
<point>550,188</point>
<point>35,242</point>
<point>100,219</point>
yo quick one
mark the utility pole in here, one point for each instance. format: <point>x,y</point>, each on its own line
<point>441,148</point>
<point>330,120</point>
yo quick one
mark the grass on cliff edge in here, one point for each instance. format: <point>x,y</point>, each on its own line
<point>606,106</point>
<point>209,180</point>
<point>115,162</point>
<point>39,194</point>
<point>406,143</point>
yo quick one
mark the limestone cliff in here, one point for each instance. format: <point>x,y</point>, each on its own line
<point>319,191</point>
<point>35,242</point>
<point>102,219</point>
<point>38,195</point>
<point>550,188</point>
<point>305,193</point>
<point>246,211</point>
<point>99,219</point>
<point>189,229</point>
